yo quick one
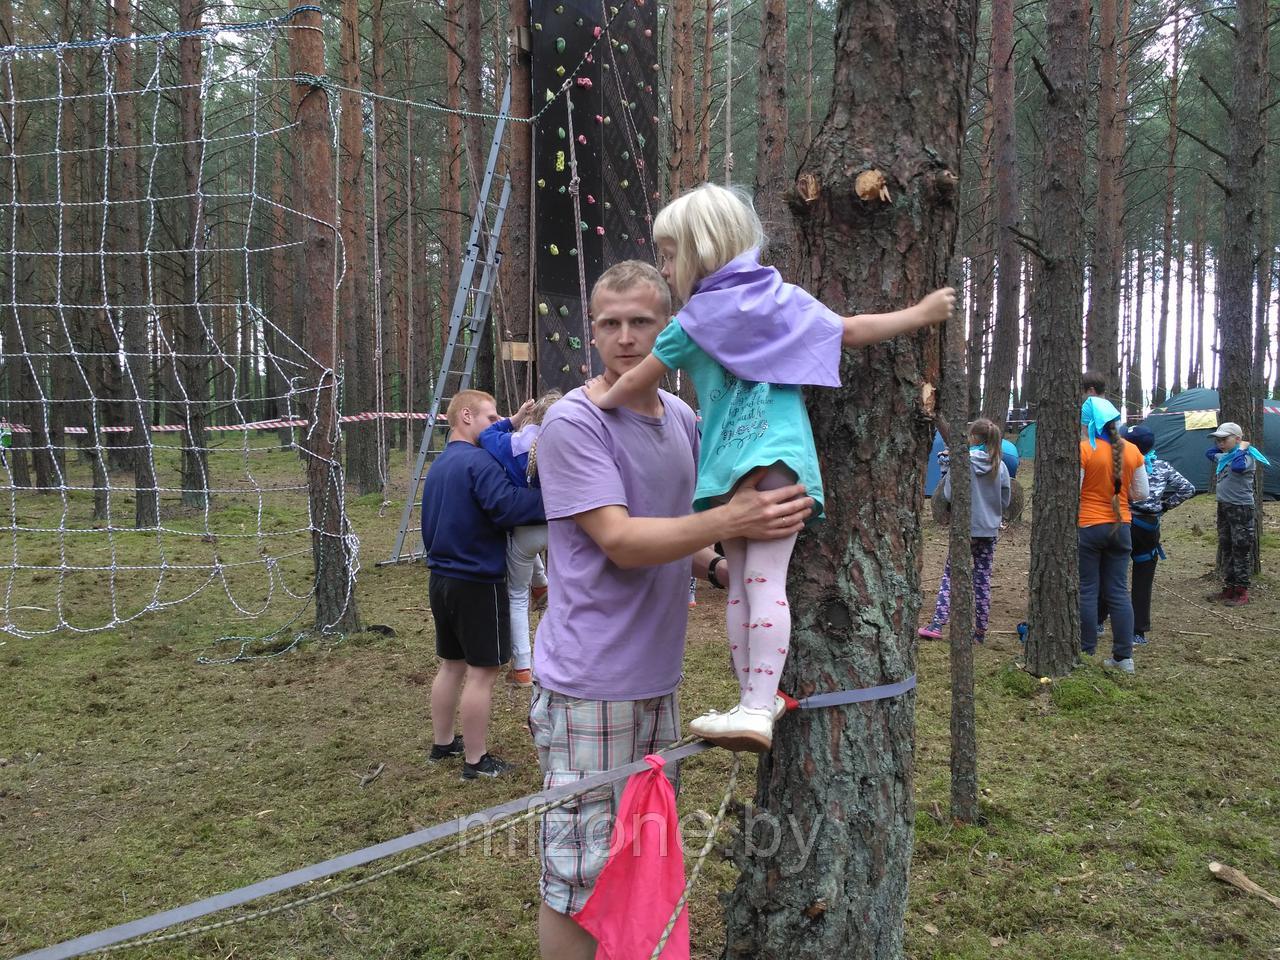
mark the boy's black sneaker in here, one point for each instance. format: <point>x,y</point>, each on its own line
<point>446,752</point>
<point>488,766</point>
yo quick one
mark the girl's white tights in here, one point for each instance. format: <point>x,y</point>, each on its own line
<point>758,616</point>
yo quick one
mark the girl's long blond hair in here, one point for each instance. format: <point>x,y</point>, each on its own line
<point>709,226</point>
<point>988,435</point>
<point>536,415</point>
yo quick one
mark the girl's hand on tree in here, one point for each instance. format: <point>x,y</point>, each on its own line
<point>937,306</point>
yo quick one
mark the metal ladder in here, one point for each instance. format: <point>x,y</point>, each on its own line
<point>468,322</point>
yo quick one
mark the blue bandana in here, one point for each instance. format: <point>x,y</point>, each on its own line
<point>1096,413</point>
<point>1249,451</point>
<point>1149,461</point>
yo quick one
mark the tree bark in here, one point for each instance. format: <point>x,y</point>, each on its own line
<point>517,264</point>
<point>1195,376</point>
<point>484,376</point>
<point>1004,337</point>
<point>1133,393</point>
<point>1161,377</point>
<point>1234,291</point>
<point>191,337</point>
<point>982,257</point>
<point>133,319</point>
<point>1054,582</point>
<point>355,313</point>
<point>1179,253</point>
<point>704,107</point>
<point>451,177</point>
<point>771,134</point>
<point>683,149</point>
<point>846,773</point>
<point>964,737</point>
<point>313,188</point>
<point>386,199</point>
<point>1102,323</point>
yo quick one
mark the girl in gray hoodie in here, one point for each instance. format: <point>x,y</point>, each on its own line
<point>990,490</point>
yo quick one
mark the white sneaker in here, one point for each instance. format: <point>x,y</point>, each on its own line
<point>739,729</point>
<point>779,708</point>
<point>1126,665</point>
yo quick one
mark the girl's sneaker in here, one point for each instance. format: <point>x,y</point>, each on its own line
<point>740,729</point>
<point>932,632</point>
<point>979,638</point>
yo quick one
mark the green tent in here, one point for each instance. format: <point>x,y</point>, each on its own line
<point>1027,442</point>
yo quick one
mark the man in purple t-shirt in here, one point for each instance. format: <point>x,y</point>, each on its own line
<point>617,486</point>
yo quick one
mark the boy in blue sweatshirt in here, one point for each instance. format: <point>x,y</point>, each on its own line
<point>1235,466</point>
<point>468,504</point>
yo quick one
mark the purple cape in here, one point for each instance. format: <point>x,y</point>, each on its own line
<point>762,329</point>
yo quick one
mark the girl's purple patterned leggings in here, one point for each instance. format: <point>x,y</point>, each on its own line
<point>984,554</point>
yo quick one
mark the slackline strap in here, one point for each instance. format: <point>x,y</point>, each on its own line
<point>93,942</point>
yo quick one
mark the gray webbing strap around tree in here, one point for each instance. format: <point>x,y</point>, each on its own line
<point>93,942</point>
<point>866,694</point>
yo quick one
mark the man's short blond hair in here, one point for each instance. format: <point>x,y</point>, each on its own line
<point>466,400</point>
<point>631,273</point>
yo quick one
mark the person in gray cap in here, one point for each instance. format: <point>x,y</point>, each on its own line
<point>1236,462</point>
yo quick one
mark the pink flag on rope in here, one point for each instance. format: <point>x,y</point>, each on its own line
<point>644,879</point>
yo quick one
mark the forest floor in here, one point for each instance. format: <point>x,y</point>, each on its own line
<point>133,779</point>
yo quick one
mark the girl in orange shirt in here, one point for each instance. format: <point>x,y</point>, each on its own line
<point>1111,474</point>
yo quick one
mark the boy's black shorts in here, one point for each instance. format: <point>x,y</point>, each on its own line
<point>473,622</point>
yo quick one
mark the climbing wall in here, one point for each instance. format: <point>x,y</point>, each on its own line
<point>609,56</point>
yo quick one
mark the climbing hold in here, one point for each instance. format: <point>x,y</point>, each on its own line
<point>648,32</point>
<point>579,21</point>
<point>573,252</point>
<point>648,88</point>
<point>560,71</point>
<point>554,250</point>
<point>640,139</point>
<point>607,120</point>
<point>624,47</point>
<point>608,205</point>
<point>541,182</point>
<point>537,26</point>
<point>590,58</point>
<point>559,8</point>
<point>582,139</point>
<point>555,337</point>
<point>595,32</point>
<point>631,24</point>
<point>575,343</point>
<point>550,96</point>
<point>599,231</point>
<point>599,119</point>
<point>562,189</point>
<point>543,309</point>
<point>584,369</point>
<point>582,225</point>
<point>561,133</point>
<point>563,310</point>
<point>640,164</point>
<point>625,184</point>
<point>559,161</point>
<point>584,82</point>
<point>626,237</point>
<point>626,154</point>
<point>640,240</point>
<point>631,105</point>
<point>559,44</point>
<point>631,213</point>
<point>613,11</point>
<point>565,368</point>
<point>605,66</point>
<point>590,198</point>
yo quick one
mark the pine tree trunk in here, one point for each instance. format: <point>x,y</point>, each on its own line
<point>282,311</point>
<point>1161,378</point>
<point>387,199</point>
<point>1133,394</point>
<point>844,775</point>
<point>1234,291</point>
<point>191,336</point>
<point>807,137</point>
<point>1101,325</point>
<point>771,134</point>
<point>315,264</point>
<point>1004,337</point>
<point>1180,278</point>
<point>133,319</point>
<point>1054,584</point>
<point>484,376</point>
<point>704,105</point>
<point>17,388</point>
<point>517,264</point>
<point>683,148</point>
<point>1194,375</point>
<point>983,255</point>
<point>451,178</point>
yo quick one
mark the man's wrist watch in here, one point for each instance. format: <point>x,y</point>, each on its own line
<point>711,573</point>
